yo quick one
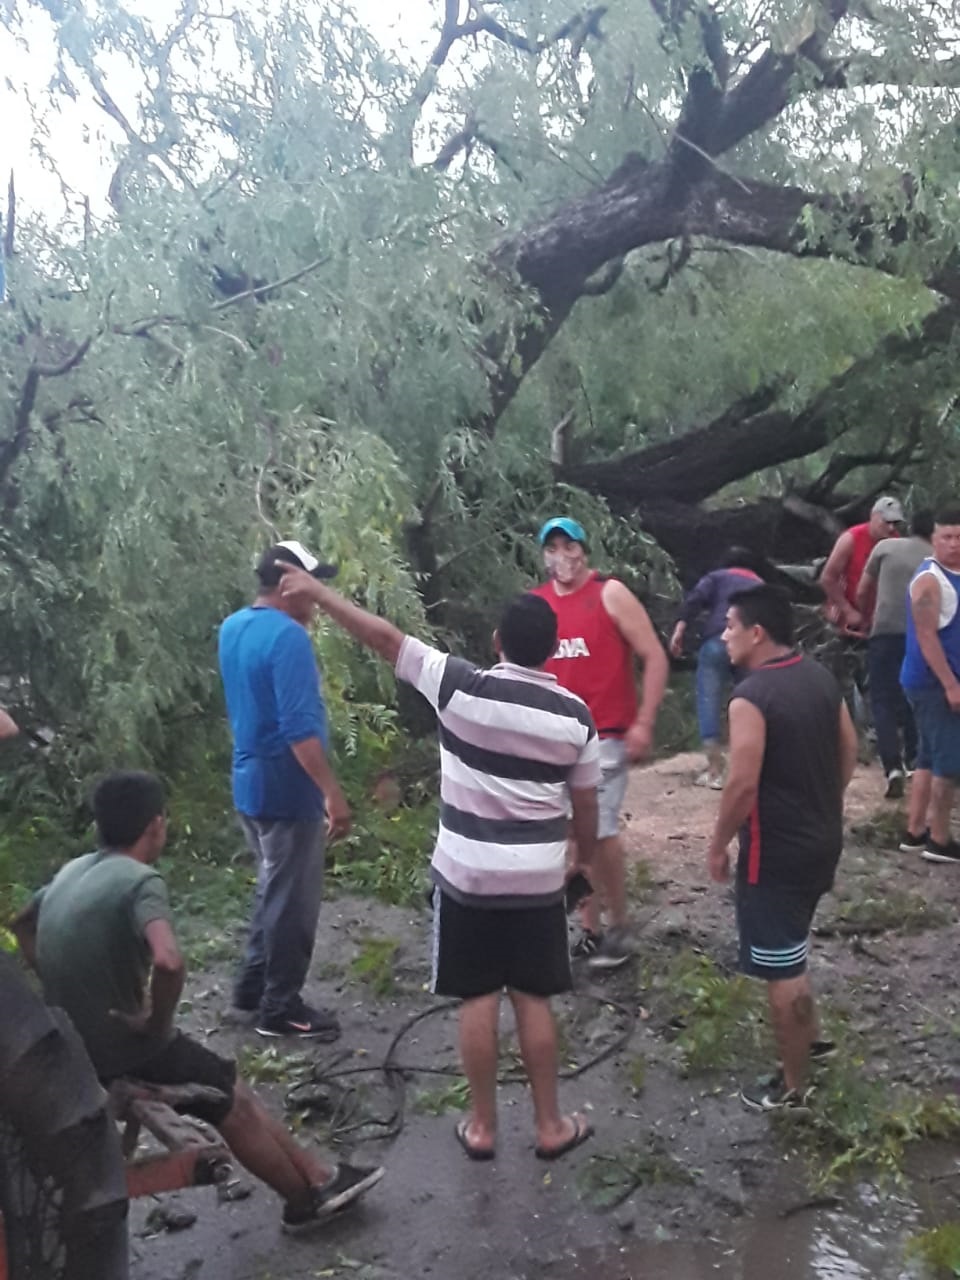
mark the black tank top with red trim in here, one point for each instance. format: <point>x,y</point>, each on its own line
<point>795,834</point>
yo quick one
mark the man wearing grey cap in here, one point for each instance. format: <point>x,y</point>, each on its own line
<point>284,790</point>
<point>844,568</point>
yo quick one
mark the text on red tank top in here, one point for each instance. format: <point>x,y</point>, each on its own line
<point>592,659</point>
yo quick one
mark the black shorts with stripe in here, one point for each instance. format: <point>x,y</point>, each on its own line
<point>481,950</point>
<point>774,921</point>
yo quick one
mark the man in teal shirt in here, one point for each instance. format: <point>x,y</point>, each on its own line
<point>101,937</point>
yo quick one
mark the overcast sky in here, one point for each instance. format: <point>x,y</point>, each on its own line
<point>81,135</point>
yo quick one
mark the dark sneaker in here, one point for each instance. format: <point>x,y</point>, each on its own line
<point>936,852</point>
<point>348,1184</point>
<point>305,1023</point>
<point>614,950</point>
<point>914,844</point>
<point>894,789</point>
<point>587,945</point>
<point>821,1050</point>
<point>776,1097</point>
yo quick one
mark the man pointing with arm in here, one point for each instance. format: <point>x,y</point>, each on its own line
<point>516,752</point>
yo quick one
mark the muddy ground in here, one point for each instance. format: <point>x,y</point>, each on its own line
<point>716,1179</point>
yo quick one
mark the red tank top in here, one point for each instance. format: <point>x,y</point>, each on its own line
<point>592,659</point>
<point>863,544</point>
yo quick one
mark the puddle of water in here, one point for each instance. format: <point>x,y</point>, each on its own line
<point>861,1240</point>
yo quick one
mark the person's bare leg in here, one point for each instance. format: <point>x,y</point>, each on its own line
<point>794,1018</point>
<point>941,802</point>
<point>919,803</point>
<point>263,1147</point>
<point>313,1169</point>
<point>537,1033</point>
<point>479,1025</point>
<point>608,872</point>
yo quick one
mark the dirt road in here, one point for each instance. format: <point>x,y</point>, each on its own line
<point>713,1177</point>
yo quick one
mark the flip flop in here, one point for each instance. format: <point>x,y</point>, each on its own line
<point>474,1153</point>
<point>582,1130</point>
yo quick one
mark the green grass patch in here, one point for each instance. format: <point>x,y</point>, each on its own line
<point>454,1096</point>
<point>859,1126</point>
<point>373,965</point>
<point>721,1018</point>
<point>636,1072</point>
<point>938,1250</point>
<point>882,908</point>
<point>272,1065</point>
<point>387,855</point>
<point>640,882</point>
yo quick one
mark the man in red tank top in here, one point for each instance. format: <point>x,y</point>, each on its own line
<point>844,569</point>
<point>600,626</point>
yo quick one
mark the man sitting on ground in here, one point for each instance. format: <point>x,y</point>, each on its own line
<point>515,751</point>
<point>101,937</point>
<point>793,749</point>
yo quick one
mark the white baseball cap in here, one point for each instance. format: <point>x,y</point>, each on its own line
<point>888,507</point>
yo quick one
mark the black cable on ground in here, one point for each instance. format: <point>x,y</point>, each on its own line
<point>396,1075</point>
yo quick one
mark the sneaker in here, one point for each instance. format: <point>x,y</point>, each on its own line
<point>587,945</point>
<point>348,1184</point>
<point>936,852</point>
<point>304,1022</point>
<point>613,951</point>
<point>910,843</point>
<point>707,779</point>
<point>776,1097</point>
<point>894,789</point>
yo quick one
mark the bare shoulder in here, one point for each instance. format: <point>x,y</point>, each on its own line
<point>618,598</point>
<point>925,586</point>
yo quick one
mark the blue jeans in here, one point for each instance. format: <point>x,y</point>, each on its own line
<point>715,675</point>
<point>892,715</point>
<point>286,905</point>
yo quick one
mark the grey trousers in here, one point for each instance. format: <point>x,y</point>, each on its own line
<point>286,906</point>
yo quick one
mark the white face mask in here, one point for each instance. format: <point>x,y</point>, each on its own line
<point>562,565</point>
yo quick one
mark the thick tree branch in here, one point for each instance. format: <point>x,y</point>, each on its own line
<point>767,87</point>
<point>748,438</point>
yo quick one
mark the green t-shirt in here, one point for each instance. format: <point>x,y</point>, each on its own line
<point>92,953</point>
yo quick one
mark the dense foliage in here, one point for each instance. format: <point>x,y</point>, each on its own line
<point>330,287</point>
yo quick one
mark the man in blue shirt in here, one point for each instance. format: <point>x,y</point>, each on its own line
<point>284,790</point>
<point>930,677</point>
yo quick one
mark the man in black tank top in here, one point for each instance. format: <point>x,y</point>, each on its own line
<point>793,749</point>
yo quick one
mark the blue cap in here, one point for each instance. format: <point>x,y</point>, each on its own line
<point>565,525</point>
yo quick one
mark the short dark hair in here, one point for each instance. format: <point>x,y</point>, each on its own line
<point>949,515</point>
<point>921,526</point>
<point>528,630</point>
<point>768,607</point>
<point>738,558</point>
<point>124,805</point>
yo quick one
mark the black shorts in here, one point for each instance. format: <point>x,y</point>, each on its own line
<point>185,1061</point>
<point>774,926</point>
<point>480,950</point>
